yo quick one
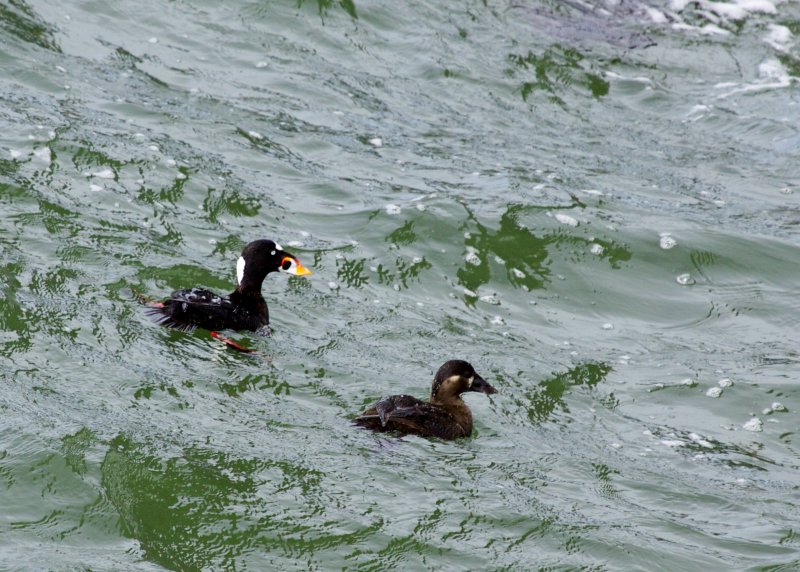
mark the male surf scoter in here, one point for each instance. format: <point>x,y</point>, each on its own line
<point>242,309</point>
<point>445,415</point>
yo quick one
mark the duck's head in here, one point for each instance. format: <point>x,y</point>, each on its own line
<point>456,377</point>
<point>261,257</point>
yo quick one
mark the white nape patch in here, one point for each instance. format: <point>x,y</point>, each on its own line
<point>278,246</point>
<point>240,269</point>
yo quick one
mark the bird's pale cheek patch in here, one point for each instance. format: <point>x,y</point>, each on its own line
<point>240,264</point>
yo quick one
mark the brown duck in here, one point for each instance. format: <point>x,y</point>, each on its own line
<point>445,415</point>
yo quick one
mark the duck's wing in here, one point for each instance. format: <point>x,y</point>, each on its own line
<point>192,308</point>
<point>407,414</point>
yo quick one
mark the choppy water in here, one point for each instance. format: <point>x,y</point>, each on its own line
<point>595,204</point>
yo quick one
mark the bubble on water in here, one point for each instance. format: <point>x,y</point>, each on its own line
<point>608,326</point>
<point>518,273</point>
<point>153,40</point>
<point>755,424</point>
<point>492,299</point>
<point>685,279</point>
<point>566,219</point>
<point>714,392</point>
<point>725,382</point>
<point>261,64</point>
<point>778,407</point>
<point>333,285</point>
<point>597,249</point>
<point>666,242</point>
<point>393,209</point>
<point>376,142</point>
<point>472,256</point>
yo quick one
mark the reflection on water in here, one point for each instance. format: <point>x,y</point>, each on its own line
<point>557,68</point>
<point>523,255</point>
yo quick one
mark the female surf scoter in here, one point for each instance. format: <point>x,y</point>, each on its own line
<point>445,415</point>
<point>242,309</point>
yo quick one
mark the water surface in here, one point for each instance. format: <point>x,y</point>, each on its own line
<point>595,204</point>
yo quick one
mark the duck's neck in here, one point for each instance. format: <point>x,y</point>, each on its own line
<point>456,407</point>
<point>249,289</point>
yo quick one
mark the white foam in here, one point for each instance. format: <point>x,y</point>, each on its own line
<point>778,407</point>
<point>714,392</point>
<point>106,173</point>
<point>43,154</point>
<point>472,256</point>
<point>95,188</point>
<point>492,299</point>
<point>596,249</point>
<point>672,443</point>
<point>755,424</point>
<point>655,15</point>
<point>779,37</point>
<point>376,142</point>
<point>497,321</point>
<point>685,279</point>
<point>255,135</point>
<point>518,273</point>
<point>725,382</point>
<point>393,209</point>
<point>666,242</point>
<point>566,219</point>
<point>608,326</point>
<point>14,153</point>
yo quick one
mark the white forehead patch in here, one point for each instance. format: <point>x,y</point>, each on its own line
<point>240,269</point>
<point>278,246</point>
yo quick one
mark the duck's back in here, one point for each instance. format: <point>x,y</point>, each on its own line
<point>199,308</point>
<point>407,414</point>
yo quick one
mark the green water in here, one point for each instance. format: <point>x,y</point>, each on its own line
<point>596,205</point>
